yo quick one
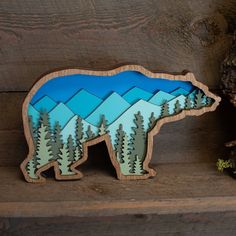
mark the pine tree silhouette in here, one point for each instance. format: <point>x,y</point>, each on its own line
<point>31,169</point>
<point>79,134</point>
<point>90,133</point>
<point>45,120</point>
<point>188,103</point>
<point>177,108</point>
<point>138,166</point>
<point>63,160</point>
<point>33,133</point>
<point>208,101</point>
<point>32,129</point>
<point>118,142</point>
<point>152,121</point>
<point>199,100</point>
<point>70,147</point>
<point>125,156</point>
<point>77,153</point>
<point>165,110</point>
<point>138,140</point>
<point>103,126</point>
<point>56,141</point>
<point>43,152</point>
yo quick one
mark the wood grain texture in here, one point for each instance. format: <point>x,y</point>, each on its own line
<point>10,110</point>
<point>41,36</point>
<point>171,192</point>
<point>193,224</point>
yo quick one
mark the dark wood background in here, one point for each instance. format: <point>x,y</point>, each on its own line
<point>41,36</point>
<point>163,35</point>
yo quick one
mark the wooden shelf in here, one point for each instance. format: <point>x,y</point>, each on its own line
<point>187,180</point>
<point>178,188</point>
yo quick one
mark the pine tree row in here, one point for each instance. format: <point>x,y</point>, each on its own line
<point>49,144</point>
<point>130,152</point>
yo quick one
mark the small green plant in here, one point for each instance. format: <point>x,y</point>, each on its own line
<point>224,164</point>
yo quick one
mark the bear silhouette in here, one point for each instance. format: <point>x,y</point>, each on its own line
<point>67,111</point>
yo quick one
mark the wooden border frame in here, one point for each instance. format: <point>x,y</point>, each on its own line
<point>150,172</point>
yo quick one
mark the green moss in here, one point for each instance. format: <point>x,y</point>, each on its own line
<point>224,164</point>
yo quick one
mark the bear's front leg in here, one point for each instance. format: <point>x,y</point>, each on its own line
<point>133,156</point>
<point>134,168</point>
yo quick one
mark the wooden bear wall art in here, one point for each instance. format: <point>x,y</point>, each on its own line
<point>69,110</point>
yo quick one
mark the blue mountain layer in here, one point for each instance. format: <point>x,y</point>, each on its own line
<point>60,113</point>
<point>179,91</point>
<point>45,104</point>
<point>112,107</point>
<point>161,97</point>
<point>83,103</point>
<point>135,94</point>
<point>63,87</point>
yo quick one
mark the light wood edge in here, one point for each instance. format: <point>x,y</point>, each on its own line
<point>151,172</point>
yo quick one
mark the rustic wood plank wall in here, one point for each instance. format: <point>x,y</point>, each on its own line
<point>163,35</point>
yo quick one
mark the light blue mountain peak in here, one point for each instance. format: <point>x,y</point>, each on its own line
<point>135,94</point>
<point>179,91</point>
<point>45,104</point>
<point>60,113</point>
<point>83,103</point>
<point>112,107</point>
<point>160,97</point>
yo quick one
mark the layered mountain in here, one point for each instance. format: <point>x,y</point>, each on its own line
<point>116,108</point>
<point>45,104</point>
<point>179,91</point>
<point>135,94</point>
<point>60,113</point>
<point>113,106</point>
<point>161,97</point>
<point>83,103</point>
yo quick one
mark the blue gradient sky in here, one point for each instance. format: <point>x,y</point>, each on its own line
<point>62,88</point>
